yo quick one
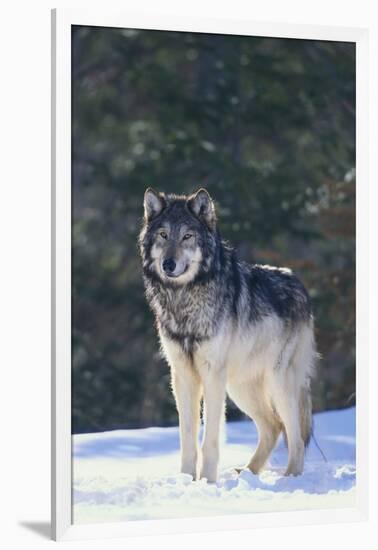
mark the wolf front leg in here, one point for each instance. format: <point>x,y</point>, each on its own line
<point>187,391</point>
<point>214,388</point>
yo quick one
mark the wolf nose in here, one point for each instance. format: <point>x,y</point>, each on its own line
<point>169,265</point>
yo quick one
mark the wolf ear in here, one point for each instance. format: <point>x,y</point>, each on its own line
<point>153,204</point>
<point>202,206</point>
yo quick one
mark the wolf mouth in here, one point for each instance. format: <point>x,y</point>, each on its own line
<point>173,276</point>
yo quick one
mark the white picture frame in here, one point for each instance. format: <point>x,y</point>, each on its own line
<point>62,20</point>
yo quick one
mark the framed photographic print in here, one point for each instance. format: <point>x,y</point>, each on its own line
<point>209,232</point>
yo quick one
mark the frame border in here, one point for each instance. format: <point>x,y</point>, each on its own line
<point>61,482</point>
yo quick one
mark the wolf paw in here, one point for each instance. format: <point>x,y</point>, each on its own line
<point>248,467</point>
<point>209,472</point>
<point>293,472</point>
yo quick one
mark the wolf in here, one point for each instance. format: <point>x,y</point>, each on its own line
<point>226,327</point>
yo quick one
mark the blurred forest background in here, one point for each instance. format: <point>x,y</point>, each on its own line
<point>268,127</point>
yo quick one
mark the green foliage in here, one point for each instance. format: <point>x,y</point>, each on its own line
<point>268,127</point>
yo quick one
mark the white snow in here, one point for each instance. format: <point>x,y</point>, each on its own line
<point>133,474</point>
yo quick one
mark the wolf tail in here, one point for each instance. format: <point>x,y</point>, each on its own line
<point>305,413</point>
<point>305,410</point>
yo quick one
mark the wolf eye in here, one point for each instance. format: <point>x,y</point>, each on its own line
<point>187,236</point>
<point>163,234</point>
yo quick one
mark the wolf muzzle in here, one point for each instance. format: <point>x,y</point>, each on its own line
<point>169,266</point>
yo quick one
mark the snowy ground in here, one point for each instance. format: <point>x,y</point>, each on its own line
<point>132,474</point>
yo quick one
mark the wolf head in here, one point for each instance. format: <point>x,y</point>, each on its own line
<point>179,236</point>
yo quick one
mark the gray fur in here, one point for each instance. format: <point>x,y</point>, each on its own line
<point>210,291</point>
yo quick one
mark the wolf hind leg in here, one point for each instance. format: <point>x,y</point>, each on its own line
<point>268,429</point>
<point>287,404</point>
<point>250,398</point>
<point>296,448</point>
<point>290,392</point>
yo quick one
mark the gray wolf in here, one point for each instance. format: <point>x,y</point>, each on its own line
<point>226,326</point>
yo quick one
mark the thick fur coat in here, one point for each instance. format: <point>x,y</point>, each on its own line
<point>226,326</point>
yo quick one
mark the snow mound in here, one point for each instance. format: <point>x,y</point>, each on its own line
<point>132,474</point>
